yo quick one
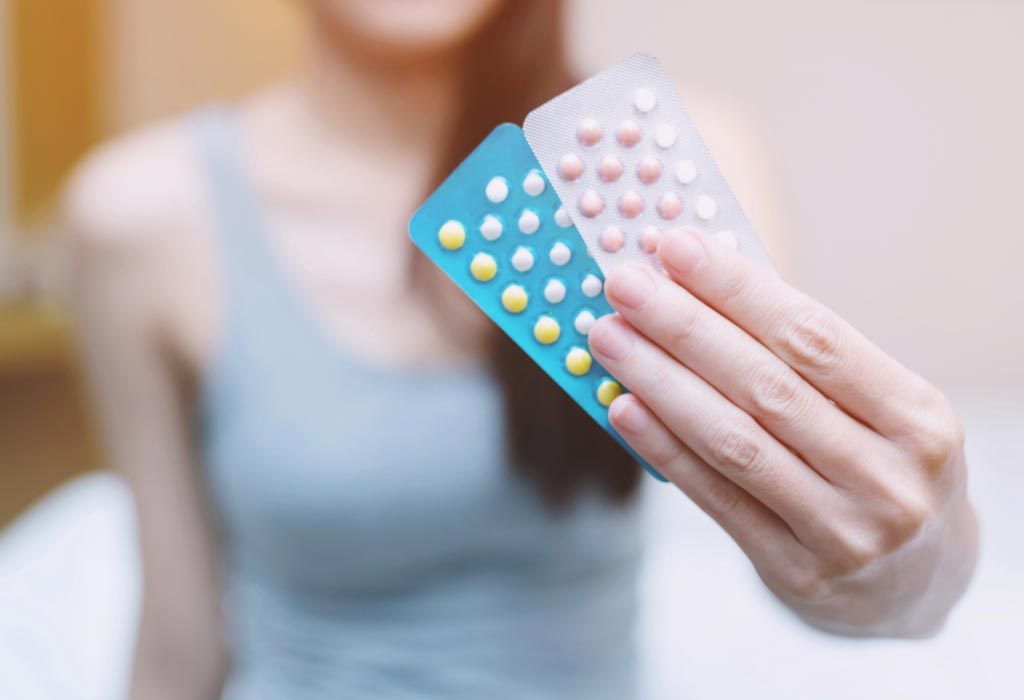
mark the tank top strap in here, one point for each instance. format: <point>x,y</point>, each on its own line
<point>251,273</point>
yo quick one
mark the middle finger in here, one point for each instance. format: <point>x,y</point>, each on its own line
<point>745,371</point>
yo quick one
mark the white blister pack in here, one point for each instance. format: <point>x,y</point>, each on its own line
<point>626,160</point>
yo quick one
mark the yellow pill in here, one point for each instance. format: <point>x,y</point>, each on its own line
<point>607,391</point>
<point>451,235</point>
<point>514,298</point>
<point>483,267</point>
<point>578,362</point>
<point>546,330</point>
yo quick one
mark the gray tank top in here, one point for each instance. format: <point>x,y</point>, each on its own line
<point>376,540</point>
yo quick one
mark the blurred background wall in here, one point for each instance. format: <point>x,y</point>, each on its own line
<point>892,127</point>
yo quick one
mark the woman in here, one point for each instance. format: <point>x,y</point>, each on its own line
<point>392,500</point>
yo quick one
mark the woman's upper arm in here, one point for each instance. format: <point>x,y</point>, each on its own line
<point>118,289</point>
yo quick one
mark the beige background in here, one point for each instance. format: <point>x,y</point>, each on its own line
<point>894,128</point>
<point>896,132</point>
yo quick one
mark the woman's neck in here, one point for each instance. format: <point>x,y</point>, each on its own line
<point>386,105</point>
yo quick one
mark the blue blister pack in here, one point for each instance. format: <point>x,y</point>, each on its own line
<point>497,228</point>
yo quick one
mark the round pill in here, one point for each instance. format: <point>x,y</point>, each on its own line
<point>612,239</point>
<point>578,361</point>
<point>631,204</point>
<point>591,204</point>
<point>490,228</point>
<point>451,235</point>
<point>665,136</point>
<point>529,222</point>
<point>522,259</point>
<point>648,170</point>
<point>706,207</point>
<point>546,330</point>
<point>686,171</point>
<point>669,206</point>
<point>584,322</point>
<point>607,391</point>
<point>560,254</point>
<point>589,132</point>
<point>562,218</point>
<point>610,168</point>
<point>629,133</point>
<point>570,167</point>
<point>533,183</point>
<point>645,100</point>
<point>483,267</point>
<point>591,286</point>
<point>514,298</point>
<point>728,239</point>
<point>497,189</point>
<point>649,239</point>
<point>554,291</point>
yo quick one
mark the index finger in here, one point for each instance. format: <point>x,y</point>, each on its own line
<point>823,348</point>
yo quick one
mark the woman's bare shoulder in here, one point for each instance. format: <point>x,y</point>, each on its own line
<point>136,190</point>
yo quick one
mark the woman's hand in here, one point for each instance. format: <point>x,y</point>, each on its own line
<point>839,472</point>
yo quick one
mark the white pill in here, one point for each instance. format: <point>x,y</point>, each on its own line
<point>560,254</point>
<point>491,227</point>
<point>665,136</point>
<point>584,322</point>
<point>533,183</point>
<point>529,222</point>
<point>554,291</point>
<point>591,286</point>
<point>728,239</point>
<point>562,218</point>
<point>686,171</point>
<point>645,100</point>
<point>706,207</point>
<point>497,189</point>
<point>522,259</point>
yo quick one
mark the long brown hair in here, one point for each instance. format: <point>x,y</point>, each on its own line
<point>512,65</point>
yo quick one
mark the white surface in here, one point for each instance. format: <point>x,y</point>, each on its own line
<point>69,594</point>
<point>710,629</point>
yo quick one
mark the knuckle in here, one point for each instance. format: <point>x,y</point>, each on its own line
<point>735,449</point>
<point>732,287</point>
<point>805,583</point>
<point>813,340</point>
<point>775,393</point>
<point>664,457</point>
<point>684,324</point>
<point>723,498</point>
<point>853,554</point>
<point>937,434</point>
<point>905,520</point>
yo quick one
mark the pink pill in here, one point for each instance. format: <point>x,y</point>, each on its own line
<point>648,170</point>
<point>612,239</point>
<point>629,133</point>
<point>591,204</point>
<point>670,206</point>
<point>589,132</point>
<point>649,239</point>
<point>631,204</point>
<point>570,167</point>
<point>610,168</point>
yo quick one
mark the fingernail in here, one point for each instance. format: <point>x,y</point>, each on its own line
<point>680,250</point>
<point>627,416</point>
<point>611,339</point>
<point>630,285</point>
